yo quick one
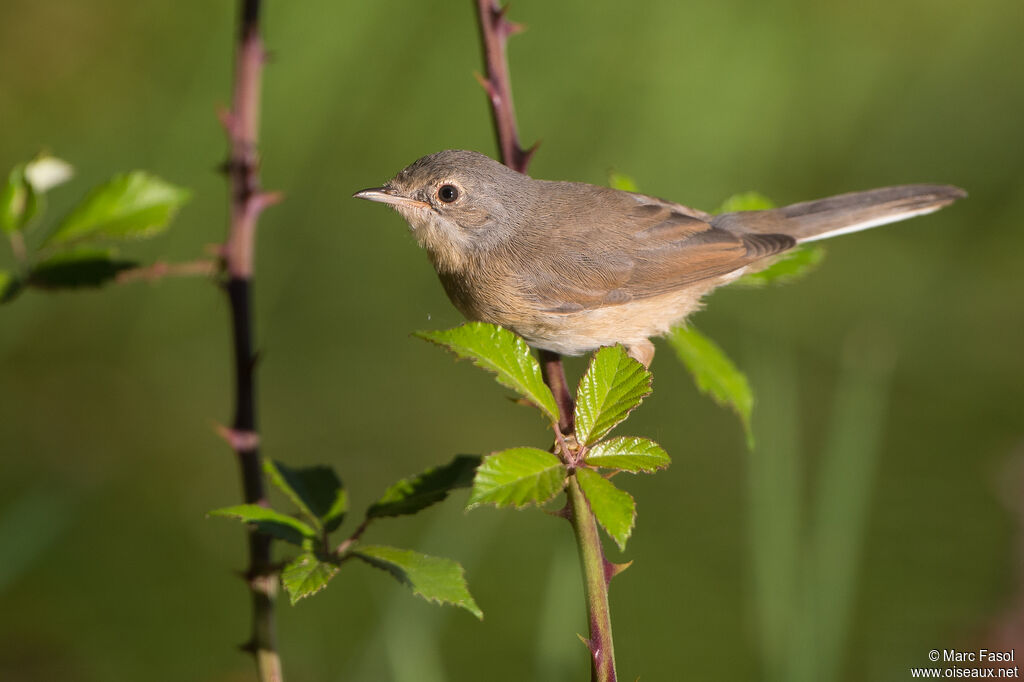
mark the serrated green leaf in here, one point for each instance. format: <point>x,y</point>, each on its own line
<point>500,351</point>
<point>269,521</point>
<point>316,491</point>
<point>516,478</point>
<point>80,267</point>
<point>130,206</point>
<point>626,453</point>
<point>612,387</point>
<point>306,575</point>
<point>434,578</point>
<point>19,201</point>
<point>622,181</point>
<point>714,373</point>
<point>789,267</point>
<point>746,201</point>
<point>412,494</point>
<point>614,509</point>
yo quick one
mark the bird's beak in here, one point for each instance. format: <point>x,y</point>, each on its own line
<point>387,195</point>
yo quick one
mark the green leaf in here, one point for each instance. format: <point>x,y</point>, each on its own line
<point>412,494</point>
<point>306,575</point>
<point>80,267</point>
<point>516,478</point>
<point>435,579</point>
<point>9,286</point>
<point>500,351</point>
<point>614,509</point>
<point>714,373</point>
<point>612,387</point>
<point>129,206</point>
<point>747,201</point>
<point>789,267</point>
<point>19,201</point>
<point>316,491</point>
<point>621,181</point>
<point>628,454</point>
<point>269,521</point>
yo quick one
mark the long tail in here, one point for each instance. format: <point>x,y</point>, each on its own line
<point>810,220</point>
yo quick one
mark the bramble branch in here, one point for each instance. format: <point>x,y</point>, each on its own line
<point>241,124</point>
<point>495,29</point>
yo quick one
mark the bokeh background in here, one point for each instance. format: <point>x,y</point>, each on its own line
<point>887,531</point>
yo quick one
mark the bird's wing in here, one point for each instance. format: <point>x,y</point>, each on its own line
<point>653,247</point>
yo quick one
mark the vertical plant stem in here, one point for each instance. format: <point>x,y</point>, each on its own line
<point>241,124</point>
<point>554,376</point>
<point>596,575</point>
<point>495,30</point>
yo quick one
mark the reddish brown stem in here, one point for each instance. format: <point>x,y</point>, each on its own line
<point>160,269</point>
<point>241,124</point>
<point>554,376</point>
<point>494,31</point>
<point>495,28</point>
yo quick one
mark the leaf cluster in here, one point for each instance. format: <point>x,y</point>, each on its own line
<point>79,250</point>
<point>322,505</point>
<point>611,388</point>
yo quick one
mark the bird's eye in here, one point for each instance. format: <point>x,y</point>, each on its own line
<point>447,193</point>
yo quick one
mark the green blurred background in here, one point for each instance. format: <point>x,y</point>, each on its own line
<point>110,570</point>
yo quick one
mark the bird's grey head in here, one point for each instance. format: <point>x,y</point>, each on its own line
<point>457,202</point>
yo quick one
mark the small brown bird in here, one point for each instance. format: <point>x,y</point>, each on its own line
<point>572,267</point>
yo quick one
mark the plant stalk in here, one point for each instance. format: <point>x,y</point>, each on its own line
<point>241,124</point>
<point>495,29</point>
<point>597,574</point>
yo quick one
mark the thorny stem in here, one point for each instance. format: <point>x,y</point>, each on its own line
<point>597,573</point>
<point>241,124</point>
<point>495,29</point>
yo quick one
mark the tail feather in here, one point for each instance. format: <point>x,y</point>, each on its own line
<point>811,220</point>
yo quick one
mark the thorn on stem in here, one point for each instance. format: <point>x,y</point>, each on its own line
<point>487,85</point>
<point>227,120</point>
<point>264,200</point>
<point>239,441</point>
<point>612,569</point>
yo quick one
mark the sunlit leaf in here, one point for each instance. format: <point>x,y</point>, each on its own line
<point>435,579</point>
<point>614,509</point>
<point>19,201</point>
<point>412,494</point>
<point>80,267</point>
<point>500,351</point>
<point>316,491</point>
<point>628,454</point>
<point>622,181</point>
<point>306,575</point>
<point>516,478</point>
<point>269,521</point>
<point>613,385</point>
<point>714,373</point>
<point>746,201</point>
<point>129,206</point>
<point>789,267</point>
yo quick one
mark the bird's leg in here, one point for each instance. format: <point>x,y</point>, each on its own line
<point>642,352</point>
